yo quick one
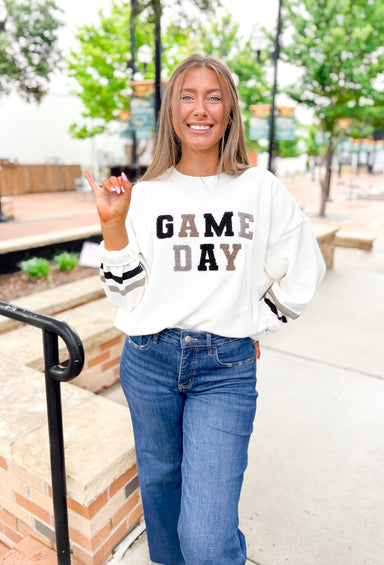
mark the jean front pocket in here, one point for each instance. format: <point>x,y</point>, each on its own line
<point>140,342</point>
<point>234,353</point>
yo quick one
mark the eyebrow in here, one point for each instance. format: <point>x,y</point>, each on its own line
<point>208,91</point>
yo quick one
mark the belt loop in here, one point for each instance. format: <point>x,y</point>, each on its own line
<point>155,338</point>
<point>209,343</point>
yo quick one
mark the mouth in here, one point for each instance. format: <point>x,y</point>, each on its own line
<point>200,127</point>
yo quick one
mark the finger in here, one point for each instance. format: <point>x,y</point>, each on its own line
<point>121,183</point>
<point>116,184</point>
<point>125,180</point>
<point>111,185</point>
<point>91,181</point>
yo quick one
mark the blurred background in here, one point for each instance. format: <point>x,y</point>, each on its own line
<point>80,82</point>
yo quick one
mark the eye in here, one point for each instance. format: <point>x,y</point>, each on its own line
<point>214,98</point>
<point>187,98</point>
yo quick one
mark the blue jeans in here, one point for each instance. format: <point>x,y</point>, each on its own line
<point>192,398</point>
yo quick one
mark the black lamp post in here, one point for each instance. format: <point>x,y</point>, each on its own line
<point>157,12</point>
<point>132,66</point>
<point>276,54</point>
<point>2,217</point>
<point>144,58</point>
<point>3,19</point>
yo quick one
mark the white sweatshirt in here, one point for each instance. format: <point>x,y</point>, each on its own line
<point>234,256</point>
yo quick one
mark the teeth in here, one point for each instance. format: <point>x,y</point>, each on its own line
<point>200,128</point>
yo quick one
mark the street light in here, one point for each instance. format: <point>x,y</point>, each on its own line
<point>258,44</point>
<point>144,56</point>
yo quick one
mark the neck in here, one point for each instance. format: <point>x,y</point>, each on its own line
<point>198,164</point>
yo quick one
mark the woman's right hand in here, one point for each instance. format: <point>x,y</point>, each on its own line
<point>113,198</point>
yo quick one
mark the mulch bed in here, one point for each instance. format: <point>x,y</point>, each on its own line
<point>16,285</point>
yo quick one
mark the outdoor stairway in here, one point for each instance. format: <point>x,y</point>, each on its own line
<point>101,340</point>
<point>104,502</point>
<point>55,300</point>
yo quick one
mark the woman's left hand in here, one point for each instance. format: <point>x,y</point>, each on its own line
<point>257,347</point>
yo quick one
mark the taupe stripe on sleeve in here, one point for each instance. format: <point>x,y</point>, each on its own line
<point>283,309</point>
<point>126,289</point>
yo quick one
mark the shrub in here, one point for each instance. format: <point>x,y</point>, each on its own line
<point>36,268</point>
<point>67,261</point>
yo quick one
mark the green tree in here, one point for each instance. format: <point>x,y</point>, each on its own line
<point>221,38</point>
<point>28,46</point>
<point>99,66</point>
<point>100,63</point>
<point>338,46</point>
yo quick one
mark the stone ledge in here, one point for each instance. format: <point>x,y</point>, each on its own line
<point>61,236</point>
<point>358,240</point>
<point>99,447</point>
<point>326,238</point>
<point>57,299</point>
<point>23,401</point>
<point>93,323</point>
<point>102,485</point>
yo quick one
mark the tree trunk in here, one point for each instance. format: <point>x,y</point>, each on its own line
<point>326,180</point>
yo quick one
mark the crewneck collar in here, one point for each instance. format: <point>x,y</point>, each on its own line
<point>209,180</point>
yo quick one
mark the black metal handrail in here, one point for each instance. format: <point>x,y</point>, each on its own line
<point>55,373</point>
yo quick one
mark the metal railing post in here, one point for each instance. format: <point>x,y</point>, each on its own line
<point>54,374</point>
<point>56,448</point>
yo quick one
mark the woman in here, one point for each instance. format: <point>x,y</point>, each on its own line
<point>212,254</point>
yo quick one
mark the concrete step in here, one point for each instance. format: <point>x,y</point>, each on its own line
<point>55,300</point>
<point>28,552</point>
<point>92,321</point>
<point>52,237</point>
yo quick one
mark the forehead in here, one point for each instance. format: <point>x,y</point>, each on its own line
<point>198,78</point>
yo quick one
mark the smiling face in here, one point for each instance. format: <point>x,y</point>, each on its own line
<point>200,115</point>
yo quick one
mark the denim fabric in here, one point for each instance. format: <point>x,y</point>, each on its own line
<point>192,398</point>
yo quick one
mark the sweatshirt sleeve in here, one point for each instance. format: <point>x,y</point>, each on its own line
<point>293,262</point>
<point>123,276</point>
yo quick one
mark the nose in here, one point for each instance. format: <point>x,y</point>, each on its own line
<point>199,107</point>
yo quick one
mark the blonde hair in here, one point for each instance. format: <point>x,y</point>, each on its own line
<point>233,157</point>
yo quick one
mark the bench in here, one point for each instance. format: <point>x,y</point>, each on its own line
<point>358,240</point>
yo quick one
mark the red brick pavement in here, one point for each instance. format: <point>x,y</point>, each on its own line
<point>42,213</point>
<point>357,201</point>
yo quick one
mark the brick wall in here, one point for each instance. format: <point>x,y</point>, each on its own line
<point>101,367</point>
<point>95,529</point>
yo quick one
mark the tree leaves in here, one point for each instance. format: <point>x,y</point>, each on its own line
<point>99,65</point>
<point>28,47</point>
<point>339,46</point>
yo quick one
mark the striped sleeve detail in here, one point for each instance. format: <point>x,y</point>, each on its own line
<point>129,274</point>
<point>122,282</point>
<point>275,311</point>
<point>281,308</point>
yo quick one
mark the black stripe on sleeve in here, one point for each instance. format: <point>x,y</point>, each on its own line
<point>274,310</point>
<point>124,277</point>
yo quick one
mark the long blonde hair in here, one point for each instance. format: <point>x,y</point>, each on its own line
<point>233,157</point>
